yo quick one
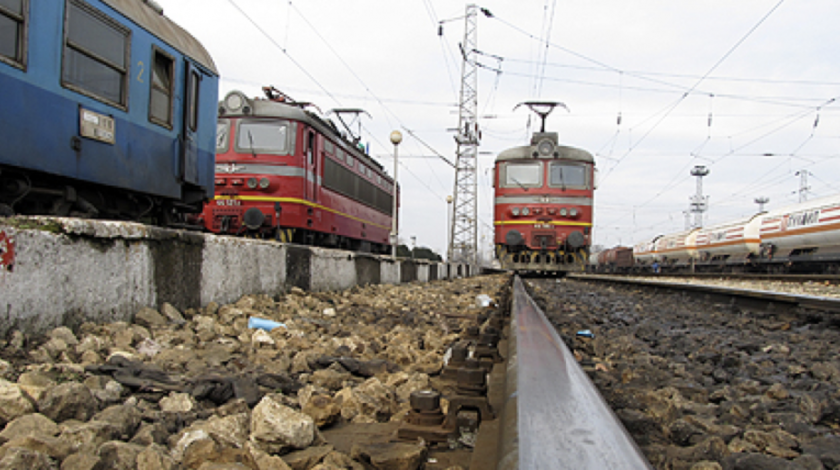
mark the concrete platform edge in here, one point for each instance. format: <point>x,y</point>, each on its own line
<point>62,271</point>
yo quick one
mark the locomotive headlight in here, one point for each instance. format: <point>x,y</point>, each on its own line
<point>563,212</point>
<point>573,212</point>
<point>252,183</point>
<point>525,211</point>
<point>515,211</point>
<point>545,147</point>
<point>264,183</point>
<point>234,101</point>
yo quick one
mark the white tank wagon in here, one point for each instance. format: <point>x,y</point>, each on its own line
<point>803,237</point>
<point>807,232</point>
<point>677,249</point>
<point>729,243</point>
<point>645,252</point>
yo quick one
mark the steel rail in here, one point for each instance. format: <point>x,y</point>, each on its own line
<point>553,416</point>
<point>792,300</point>
<point>799,278</point>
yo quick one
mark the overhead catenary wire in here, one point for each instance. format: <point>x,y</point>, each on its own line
<point>800,145</point>
<point>283,50</point>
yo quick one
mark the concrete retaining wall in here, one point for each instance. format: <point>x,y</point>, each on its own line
<point>57,271</point>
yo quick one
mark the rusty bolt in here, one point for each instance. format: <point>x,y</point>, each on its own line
<point>424,400</point>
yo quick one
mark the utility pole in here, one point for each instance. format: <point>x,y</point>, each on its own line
<point>699,203</point>
<point>463,245</point>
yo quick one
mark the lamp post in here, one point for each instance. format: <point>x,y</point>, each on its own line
<point>396,138</point>
<point>448,228</point>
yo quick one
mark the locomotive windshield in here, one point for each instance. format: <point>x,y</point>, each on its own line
<point>263,136</point>
<point>523,175</point>
<point>222,136</point>
<point>565,175</point>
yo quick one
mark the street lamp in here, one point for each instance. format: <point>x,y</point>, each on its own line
<point>396,138</point>
<point>448,228</point>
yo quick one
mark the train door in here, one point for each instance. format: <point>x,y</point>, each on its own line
<point>188,162</point>
<point>311,164</point>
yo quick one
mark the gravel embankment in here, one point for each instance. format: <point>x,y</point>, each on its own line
<point>199,389</point>
<point>706,386</point>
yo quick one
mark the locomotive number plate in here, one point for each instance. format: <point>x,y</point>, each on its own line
<point>542,226</point>
<point>228,202</point>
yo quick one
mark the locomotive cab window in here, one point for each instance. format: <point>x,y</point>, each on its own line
<point>523,175</point>
<point>263,136</point>
<point>95,58</point>
<point>13,16</point>
<point>567,175</point>
<point>160,102</point>
<point>222,135</point>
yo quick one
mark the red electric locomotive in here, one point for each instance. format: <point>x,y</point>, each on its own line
<point>543,203</point>
<point>282,172</point>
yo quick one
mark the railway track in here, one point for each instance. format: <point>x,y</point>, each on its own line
<point>553,416</point>
<point>721,378</point>
<point>798,278</point>
<point>752,294</point>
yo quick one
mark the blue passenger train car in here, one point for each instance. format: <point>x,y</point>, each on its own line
<point>107,109</point>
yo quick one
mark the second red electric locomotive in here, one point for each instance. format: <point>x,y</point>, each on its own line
<point>543,203</point>
<point>282,172</point>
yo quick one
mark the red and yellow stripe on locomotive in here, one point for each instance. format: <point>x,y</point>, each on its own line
<point>543,206</point>
<point>284,173</point>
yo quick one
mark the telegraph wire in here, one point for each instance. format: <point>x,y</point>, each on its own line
<point>697,83</point>
<point>346,65</point>
<point>643,73</point>
<point>684,96</point>
<point>363,84</point>
<point>430,10</point>
<point>283,50</point>
<point>325,90</point>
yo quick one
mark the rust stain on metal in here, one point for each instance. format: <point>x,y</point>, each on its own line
<point>7,251</point>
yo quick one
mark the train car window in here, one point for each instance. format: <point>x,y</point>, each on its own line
<point>310,148</point>
<point>329,147</point>
<point>194,84</point>
<point>95,54</point>
<point>263,136</point>
<point>563,175</point>
<point>341,180</point>
<point>523,175</point>
<point>222,135</point>
<point>13,16</point>
<point>160,102</point>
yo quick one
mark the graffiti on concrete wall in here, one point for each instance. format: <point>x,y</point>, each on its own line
<point>7,251</point>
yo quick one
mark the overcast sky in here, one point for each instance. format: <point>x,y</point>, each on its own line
<point>654,87</point>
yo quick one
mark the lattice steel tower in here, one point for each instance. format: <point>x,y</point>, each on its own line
<point>463,245</point>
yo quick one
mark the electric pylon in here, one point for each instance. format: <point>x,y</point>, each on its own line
<point>463,245</point>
